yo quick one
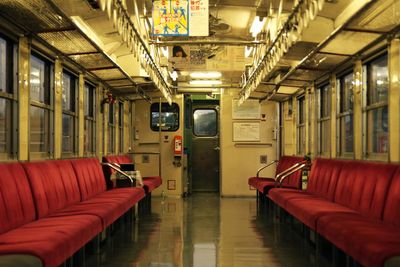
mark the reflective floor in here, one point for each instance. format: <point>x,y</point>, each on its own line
<point>205,230</point>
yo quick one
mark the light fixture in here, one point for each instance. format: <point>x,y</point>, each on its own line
<point>205,82</point>
<point>206,75</point>
<point>257,25</point>
<point>248,51</point>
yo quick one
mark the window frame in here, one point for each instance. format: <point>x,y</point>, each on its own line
<point>90,119</point>
<point>73,112</point>
<point>10,95</point>
<point>323,119</point>
<point>47,105</point>
<point>342,113</point>
<point>164,106</point>
<point>121,126</point>
<point>111,129</point>
<point>301,123</point>
<point>367,107</point>
<point>216,123</point>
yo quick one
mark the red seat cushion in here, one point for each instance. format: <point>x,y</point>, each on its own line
<point>293,180</point>
<point>108,206</point>
<point>53,240</point>
<point>16,202</point>
<point>368,241</point>
<point>152,182</point>
<point>281,195</point>
<point>309,208</point>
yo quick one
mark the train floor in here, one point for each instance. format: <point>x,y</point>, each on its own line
<point>206,230</point>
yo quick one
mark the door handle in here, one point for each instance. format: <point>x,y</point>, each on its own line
<point>217,148</point>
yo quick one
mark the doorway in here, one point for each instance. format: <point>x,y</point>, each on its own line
<point>204,135</point>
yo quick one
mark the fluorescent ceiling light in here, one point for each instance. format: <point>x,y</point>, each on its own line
<point>86,29</point>
<point>206,75</point>
<point>257,25</point>
<point>205,82</point>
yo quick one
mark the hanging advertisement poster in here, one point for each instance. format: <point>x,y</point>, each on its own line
<point>198,18</point>
<point>171,18</point>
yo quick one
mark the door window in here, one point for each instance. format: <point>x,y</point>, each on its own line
<point>205,122</point>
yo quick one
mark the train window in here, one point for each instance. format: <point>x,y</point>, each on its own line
<point>345,115</point>
<point>169,117</point>
<point>6,98</point>
<point>90,120</point>
<point>69,116</point>
<point>301,126</point>
<point>205,122</point>
<point>111,129</point>
<point>376,110</point>
<point>121,126</point>
<point>324,129</point>
<point>41,106</point>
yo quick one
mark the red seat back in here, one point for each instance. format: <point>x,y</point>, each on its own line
<point>54,185</point>
<point>293,180</point>
<point>16,202</point>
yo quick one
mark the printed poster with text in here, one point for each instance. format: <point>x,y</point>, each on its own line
<point>171,18</point>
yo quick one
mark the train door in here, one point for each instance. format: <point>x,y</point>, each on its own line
<point>204,159</point>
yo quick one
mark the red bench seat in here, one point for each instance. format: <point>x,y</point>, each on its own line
<point>353,204</point>
<point>50,209</point>
<point>149,183</point>
<point>264,184</point>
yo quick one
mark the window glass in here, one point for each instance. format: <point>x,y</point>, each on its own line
<point>121,126</point>
<point>325,101</point>
<point>39,129</point>
<point>377,140</point>
<point>111,129</point>
<point>301,126</point>
<point>68,138</point>
<point>169,117</point>
<point>89,100</point>
<point>205,122</point>
<point>378,80</point>
<point>378,132</point>
<point>68,92</point>
<point>346,92</point>
<point>3,65</point>
<point>5,125</point>
<point>39,80</point>
<point>89,136</point>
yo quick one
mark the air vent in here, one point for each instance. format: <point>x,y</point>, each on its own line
<point>94,4</point>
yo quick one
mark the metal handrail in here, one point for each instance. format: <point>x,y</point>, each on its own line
<point>262,168</point>
<point>301,166</point>
<point>115,167</point>
<point>284,173</point>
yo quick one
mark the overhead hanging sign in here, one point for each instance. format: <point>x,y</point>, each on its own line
<point>170,18</point>
<point>180,18</point>
<point>198,18</point>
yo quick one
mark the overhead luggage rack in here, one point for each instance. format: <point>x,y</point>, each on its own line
<point>57,30</point>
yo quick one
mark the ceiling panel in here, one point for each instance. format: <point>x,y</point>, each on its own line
<point>33,15</point>
<point>91,61</point>
<point>383,16</point>
<point>68,42</point>
<point>350,43</point>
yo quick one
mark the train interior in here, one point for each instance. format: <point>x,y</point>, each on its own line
<point>199,133</point>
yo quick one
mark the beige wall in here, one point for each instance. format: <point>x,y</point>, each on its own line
<point>147,142</point>
<point>240,163</point>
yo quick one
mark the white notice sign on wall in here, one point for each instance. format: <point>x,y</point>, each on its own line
<point>249,109</point>
<point>246,131</point>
